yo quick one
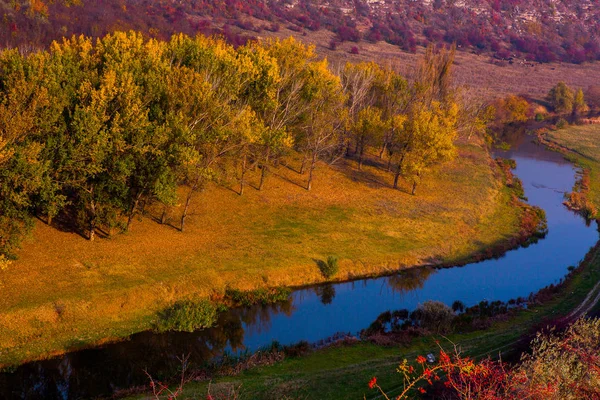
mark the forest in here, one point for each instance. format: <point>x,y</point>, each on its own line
<point>93,131</point>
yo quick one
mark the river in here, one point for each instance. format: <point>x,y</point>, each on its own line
<point>319,312</point>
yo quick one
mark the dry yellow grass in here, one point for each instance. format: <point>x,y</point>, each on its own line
<point>485,79</point>
<point>65,292</point>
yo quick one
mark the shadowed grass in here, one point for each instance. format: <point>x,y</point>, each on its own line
<point>113,287</point>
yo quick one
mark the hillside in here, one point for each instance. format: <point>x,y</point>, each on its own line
<point>541,30</point>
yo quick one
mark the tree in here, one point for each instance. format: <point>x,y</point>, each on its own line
<point>367,131</point>
<point>21,165</point>
<point>429,139</point>
<point>324,118</point>
<point>512,109</point>
<point>561,98</point>
<point>285,102</point>
<point>359,83</point>
<point>579,105</point>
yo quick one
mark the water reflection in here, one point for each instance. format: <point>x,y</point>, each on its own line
<point>410,280</point>
<point>325,292</point>
<point>105,370</point>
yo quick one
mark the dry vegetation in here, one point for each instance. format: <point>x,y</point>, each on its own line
<point>65,291</point>
<point>489,81</point>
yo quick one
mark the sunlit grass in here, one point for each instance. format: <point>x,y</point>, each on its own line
<point>585,141</point>
<point>65,292</point>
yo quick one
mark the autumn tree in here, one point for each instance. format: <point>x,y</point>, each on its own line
<point>429,135</point>
<point>360,83</point>
<point>561,98</point>
<point>325,118</point>
<point>579,105</point>
<point>21,164</point>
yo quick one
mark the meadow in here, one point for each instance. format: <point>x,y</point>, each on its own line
<point>65,292</point>
<point>584,143</point>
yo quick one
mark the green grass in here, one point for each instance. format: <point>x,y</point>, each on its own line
<point>584,141</point>
<point>113,287</point>
<point>343,372</point>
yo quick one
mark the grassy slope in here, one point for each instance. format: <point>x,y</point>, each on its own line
<point>585,142</point>
<point>343,372</point>
<point>65,292</point>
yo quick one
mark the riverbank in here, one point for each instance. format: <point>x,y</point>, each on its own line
<point>343,371</point>
<point>65,293</point>
<point>581,144</point>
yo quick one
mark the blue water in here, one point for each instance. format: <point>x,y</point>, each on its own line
<point>316,313</point>
<point>546,177</point>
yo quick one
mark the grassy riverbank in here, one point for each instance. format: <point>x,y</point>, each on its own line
<point>64,292</point>
<point>343,372</point>
<point>584,143</point>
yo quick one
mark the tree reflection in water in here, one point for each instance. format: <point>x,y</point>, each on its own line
<point>104,370</point>
<point>409,280</point>
<point>325,292</point>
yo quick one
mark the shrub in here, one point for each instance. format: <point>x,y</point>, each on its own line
<point>354,50</point>
<point>330,267</point>
<point>259,296</point>
<point>562,123</point>
<point>434,316</point>
<point>187,316</point>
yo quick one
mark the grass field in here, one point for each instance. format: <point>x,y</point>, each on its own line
<point>584,141</point>
<point>485,80</point>
<point>65,292</point>
<point>343,372</point>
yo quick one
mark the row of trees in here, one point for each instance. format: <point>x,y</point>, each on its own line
<point>91,132</point>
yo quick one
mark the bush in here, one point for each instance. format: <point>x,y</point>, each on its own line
<point>330,267</point>
<point>354,50</point>
<point>434,316</point>
<point>562,123</point>
<point>187,316</point>
<point>259,296</point>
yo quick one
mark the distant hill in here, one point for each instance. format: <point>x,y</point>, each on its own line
<point>536,30</point>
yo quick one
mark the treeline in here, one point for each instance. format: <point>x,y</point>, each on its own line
<point>93,131</point>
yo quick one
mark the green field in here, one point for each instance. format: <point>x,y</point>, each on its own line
<point>584,141</point>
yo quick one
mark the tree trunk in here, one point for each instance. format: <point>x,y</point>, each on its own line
<point>92,227</point>
<point>396,177</point>
<point>185,209</point>
<point>163,216</point>
<point>382,150</point>
<point>263,172</point>
<point>132,211</point>
<point>414,188</point>
<point>313,164</point>
<point>360,157</point>
<point>49,220</point>
<point>303,164</point>
<point>389,164</point>
<point>242,181</point>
